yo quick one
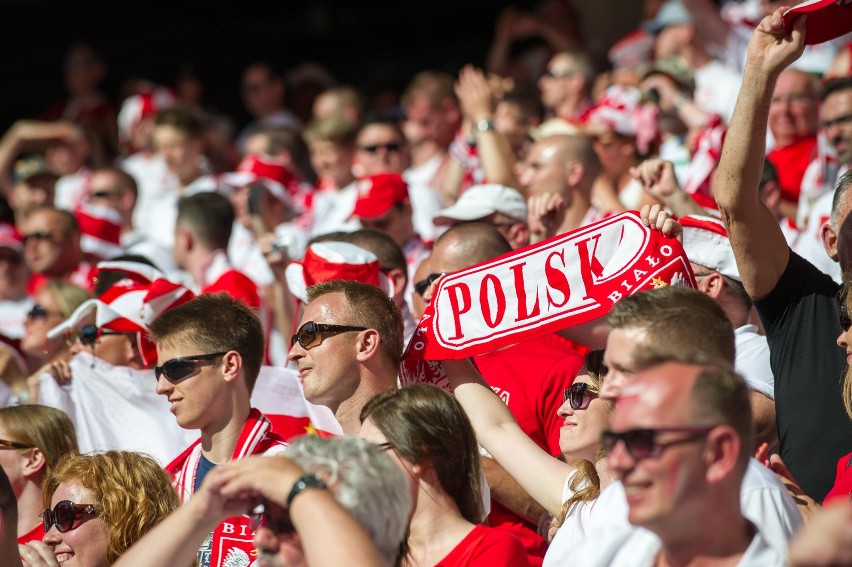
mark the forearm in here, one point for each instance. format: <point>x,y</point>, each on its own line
<point>497,159</point>
<point>681,204</point>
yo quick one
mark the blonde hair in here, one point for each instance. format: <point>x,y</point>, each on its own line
<point>67,296</point>
<point>50,430</point>
<point>131,492</point>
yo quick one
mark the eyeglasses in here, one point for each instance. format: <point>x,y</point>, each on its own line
<point>90,334</point>
<point>4,444</point>
<point>64,514</point>
<point>558,73</point>
<point>311,334</point>
<point>39,312</point>
<point>40,235</point>
<point>421,286</point>
<point>373,148</point>
<point>579,395</point>
<point>280,525</point>
<point>643,444</point>
<point>177,369</point>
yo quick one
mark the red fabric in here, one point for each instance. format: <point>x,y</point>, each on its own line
<point>530,378</point>
<point>488,547</point>
<point>791,162</point>
<point>843,481</point>
<point>84,276</point>
<point>237,285</point>
<point>34,534</point>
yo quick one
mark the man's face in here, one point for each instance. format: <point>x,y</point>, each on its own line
<point>396,223</point>
<point>543,171</point>
<point>620,359</point>
<point>37,191</point>
<point>554,84</point>
<point>328,371</point>
<point>332,161</point>
<point>671,39</point>
<point>836,114</point>
<point>48,249</point>
<point>197,400</point>
<point>422,123</point>
<point>508,122</point>
<point>177,148</point>
<point>793,110</point>
<point>105,191</point>
<point>380,149</point>
<point>13,274</point>
<point>661,487</point>
<point>259,91</point>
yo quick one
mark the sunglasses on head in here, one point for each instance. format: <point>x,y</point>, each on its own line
<point>313,334</point>
<point>89,334</point>
<point>280,525</point>
<point>373,148</point>
<point>64,514</point>
<point>421,286</point>
<point>643,444</point>
<point>177,369</point>
<point>38,311</point>
<point>579,395</point>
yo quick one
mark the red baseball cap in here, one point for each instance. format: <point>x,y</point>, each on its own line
<point>827,19</point>
<point>378,193</point>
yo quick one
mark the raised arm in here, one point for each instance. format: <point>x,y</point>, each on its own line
<point>540,474</point>
<point>759,245</point>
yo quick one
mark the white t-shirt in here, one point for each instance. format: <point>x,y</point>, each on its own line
<point>716,89</point>
<point>13,313</point>
<point>332,210</point>
<point>764,500</point>
<point>752,360</point>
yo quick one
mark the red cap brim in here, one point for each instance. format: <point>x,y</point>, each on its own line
<point>827,19</point>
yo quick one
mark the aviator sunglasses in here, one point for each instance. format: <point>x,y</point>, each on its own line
<point>64,514</point>
<point>313,334</point>
<point>177,369</point>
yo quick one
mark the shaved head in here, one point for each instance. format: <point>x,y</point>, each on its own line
<point>465,245</point>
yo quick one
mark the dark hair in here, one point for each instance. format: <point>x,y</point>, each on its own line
<point>835,85</point>
<point>210,217</point>
<point>215,322</point>
<point>426,425</point>
<point>8,505</point>
<point>183,117</point>
<point>385,248</point>
<point>108,278</point>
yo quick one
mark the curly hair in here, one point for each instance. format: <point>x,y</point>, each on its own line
<point>132,493</point>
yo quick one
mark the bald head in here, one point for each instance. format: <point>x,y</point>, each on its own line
<point>465,245</point>
<point>560,164</point>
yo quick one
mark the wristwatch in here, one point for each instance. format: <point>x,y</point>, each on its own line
<point>307,480</point>
<point>483,126</point>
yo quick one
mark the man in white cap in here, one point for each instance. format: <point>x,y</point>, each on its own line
<point>491,203</point>
<point>706,244</point>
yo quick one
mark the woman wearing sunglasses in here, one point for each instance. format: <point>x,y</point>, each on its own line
<point>97,506</point>
<point>55,301</point>
<point>426,432</point>
<point>563,489</point>
<point>32,440</point>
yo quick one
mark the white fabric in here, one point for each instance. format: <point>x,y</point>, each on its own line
<point>764,500</point>
<point>810,241</point>
<point>425,204</point>
<point>137,242</point>
<point>13,313</point>
<point>70,189</point>
<point>716,89</point>
<point>752,360</point>
<point>279,392</point>
<point>332,210</point>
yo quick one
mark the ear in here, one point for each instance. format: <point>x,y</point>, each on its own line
<point>574,172</point>
<point>519,235</point>
<point>721,453</point>
<point>399,280</point>
<point>712,285</point>
<point>829,240</point>
<point>35,463</point>
<point>232,365</point>
<point>368,345</point>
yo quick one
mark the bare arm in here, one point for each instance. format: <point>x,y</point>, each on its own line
<point>759,245</point>
<point>658,179</point>
<point>540,475</point>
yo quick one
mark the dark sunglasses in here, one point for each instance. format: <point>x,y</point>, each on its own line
<point>89,334</point>
<point>4,444</point>
<point>643,444</point>
<point>104,194</point>
<point>39,312</point>
<point>421,286</point>
<point>579,395</point>
<point>40,235</point>
<point>373,148</point>
<point>312,334</point>
<point>280,525</point>
<point>64,514</point>
<point>177,369</point>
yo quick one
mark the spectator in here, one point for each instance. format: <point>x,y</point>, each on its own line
<point>33,186</point>
<point>566,86</point>
<point>14,275</point>
<point>263,91</point>
<point>498,205</point>
<point>51,239</point>
<point>342,100</point>
<point>8,518</point>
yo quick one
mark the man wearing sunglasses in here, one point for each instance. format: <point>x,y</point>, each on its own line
<point>209,354</point>
<point>51,241</point>
<point>680,443</point>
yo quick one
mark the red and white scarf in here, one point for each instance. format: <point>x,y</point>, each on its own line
<point>567,280</point>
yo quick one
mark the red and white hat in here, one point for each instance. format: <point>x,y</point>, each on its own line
<point>326,261</point>
<point>10,237</point>
<point>100,230</point>
<point>378,193</point>
<point>130,305</point>
<point>705,241</point>
<point>272,172</point>
<point>150,100</point>
<point>621,110</point>
<point>827,19</point>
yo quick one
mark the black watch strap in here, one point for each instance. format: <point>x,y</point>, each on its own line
<point>307,480</point>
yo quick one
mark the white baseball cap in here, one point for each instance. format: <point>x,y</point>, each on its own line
<point>481,201</point>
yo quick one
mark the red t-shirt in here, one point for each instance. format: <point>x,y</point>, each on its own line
<point>791,162</point>
<point>487,547</point>
<point>34,534</point>
<point>843,481</point>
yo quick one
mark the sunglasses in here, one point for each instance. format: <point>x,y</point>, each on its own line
<point>421,286</point>
<point>89,334</point>
<point>64,514</point>
<point>312,334</point>
<point>39,312</point>
<point>177,369</point>
<point>104,194</point>
<point>280,525</point>
<point>4,444</point>
<point>40,235</point>
<point>643,444</point>
<point>373,148</point>
<point>579,395</point>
